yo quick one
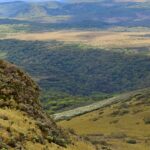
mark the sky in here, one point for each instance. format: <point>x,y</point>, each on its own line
<point>28,0</point>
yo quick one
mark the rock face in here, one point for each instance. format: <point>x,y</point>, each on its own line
<point>19,92</point>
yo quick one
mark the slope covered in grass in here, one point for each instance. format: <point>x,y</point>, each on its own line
<point>121,126</point>
<point>19,130</point>
<point>23,123</point>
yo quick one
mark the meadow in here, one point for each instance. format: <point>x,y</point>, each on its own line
<point>108,39</point>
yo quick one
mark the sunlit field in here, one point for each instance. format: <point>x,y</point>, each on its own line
<point>103,39</point>
<point>124,125</point>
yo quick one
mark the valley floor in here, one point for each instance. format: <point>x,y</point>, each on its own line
<point>113,38</point>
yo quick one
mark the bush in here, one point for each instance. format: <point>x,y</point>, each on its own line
<point>123,112</point>
<point>147,120</point>
<point>12,142</point>
<point>124,105</point>
<point>72,131</point>
<point>50,139</point>
<point>4,117</point>
<point>60,141</point>
<point>131,141</point>
<point>118,135</point>
<point>3,146</point>
<point>114,121</point>
<point>115,113</point>
<point>119,112</point>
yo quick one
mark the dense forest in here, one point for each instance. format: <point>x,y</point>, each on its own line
<point>77,72</point>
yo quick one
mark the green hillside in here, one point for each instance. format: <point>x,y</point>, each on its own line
<point>23,123</point>
<point>71,75</point>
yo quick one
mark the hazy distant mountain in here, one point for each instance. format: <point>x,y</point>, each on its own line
<point>94,14</point>
<point>21,9</point>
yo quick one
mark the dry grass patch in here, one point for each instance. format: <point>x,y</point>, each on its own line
<point>120,131</point>
<point>103,39</point>
<point>18,126</point>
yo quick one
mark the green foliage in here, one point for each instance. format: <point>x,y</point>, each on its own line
<point>55,101</point>
<point>15,88</point>
<point>147,120</point>
<point>18,92</point>
<point>131,141</point>
<point>70,74</point>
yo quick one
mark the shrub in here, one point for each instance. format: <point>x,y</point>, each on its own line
<point>114,121</point>
<point>60,141</point>
<point>72,131</point>
<point>3,146</point>
<point>118,135</point>
<point>12,142</point>
<point>119,112</point>
<point>123,112</point>
<point>147,120</point>
<point>95,119</point>
<point>50,139</point>
<point>38,139</point>
<point>131,141</point>
<point>124,105</point>
<point>4,117</point>
<point>115,113</point>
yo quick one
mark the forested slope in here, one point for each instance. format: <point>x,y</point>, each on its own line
<point>66,69</point>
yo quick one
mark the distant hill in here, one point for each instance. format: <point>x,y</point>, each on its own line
<point>21,9</point>
<point>86,14</point>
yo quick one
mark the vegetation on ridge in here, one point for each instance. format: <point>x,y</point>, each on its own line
<point>18,93</point>
<point>76,75</point>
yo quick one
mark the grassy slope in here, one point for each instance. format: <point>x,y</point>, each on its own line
<point>118,125</point>
<point>23,123</point>
<point>18,125</point>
